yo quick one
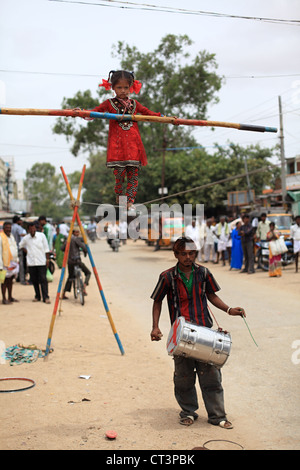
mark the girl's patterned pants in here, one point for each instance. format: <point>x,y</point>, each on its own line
<point>132,174</point>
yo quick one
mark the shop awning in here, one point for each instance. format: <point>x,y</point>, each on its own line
<point>295,195</point>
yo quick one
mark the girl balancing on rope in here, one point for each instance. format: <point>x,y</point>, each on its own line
<point>125,152</point>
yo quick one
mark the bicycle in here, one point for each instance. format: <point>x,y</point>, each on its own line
<point>78,287</point>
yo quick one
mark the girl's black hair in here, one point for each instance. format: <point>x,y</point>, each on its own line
<point>115,75</point>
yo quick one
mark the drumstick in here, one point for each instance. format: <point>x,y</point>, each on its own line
<point>249,330</point>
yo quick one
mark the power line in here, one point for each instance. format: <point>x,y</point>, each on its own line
<point>50,73</point>
<point>147,7</point>
<point>263,76</point>
<point>99,74</point>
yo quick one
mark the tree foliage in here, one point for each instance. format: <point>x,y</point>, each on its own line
<point>184,171</point>
<point>173,83</point>
<point>176,84</point>
<point>46,191</point>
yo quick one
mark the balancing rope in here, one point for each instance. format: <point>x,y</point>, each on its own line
<point>196,188</point>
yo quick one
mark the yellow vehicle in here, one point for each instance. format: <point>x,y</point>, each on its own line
<point>283,222</point>
<point>164,228</point>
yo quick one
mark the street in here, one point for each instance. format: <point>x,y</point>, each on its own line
<point>133,394</point>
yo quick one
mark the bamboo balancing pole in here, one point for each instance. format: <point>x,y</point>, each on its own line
<point>93,266</point>
<point>133,117</point>
<point>63,269</point>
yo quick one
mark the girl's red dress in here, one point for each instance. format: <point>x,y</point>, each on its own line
<point>125,146</point>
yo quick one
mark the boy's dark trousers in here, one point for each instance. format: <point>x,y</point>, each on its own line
<point>210,381</point>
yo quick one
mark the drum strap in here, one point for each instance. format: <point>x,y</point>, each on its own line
<point>205,279</point>
<point>204,289</point>
<point>177,314</point>
<point>175,297</point>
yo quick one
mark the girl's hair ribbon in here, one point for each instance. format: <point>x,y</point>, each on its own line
<point>106,84</point>
<point>136,87</point>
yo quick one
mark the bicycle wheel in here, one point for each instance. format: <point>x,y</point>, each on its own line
<point>74,282</point>
<point>81,294</point>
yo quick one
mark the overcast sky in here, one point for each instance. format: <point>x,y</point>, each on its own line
<point>52,49</point>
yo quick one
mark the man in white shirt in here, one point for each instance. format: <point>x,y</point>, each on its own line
<point>263,227</point>
<point>209,244</point>
<point>36,248</point>
<point>192,232</point>
<point>64,229</point>
<point>295,235</point>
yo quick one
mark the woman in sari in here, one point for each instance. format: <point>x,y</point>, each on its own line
<point>236,250</point>
<point>274,260</point>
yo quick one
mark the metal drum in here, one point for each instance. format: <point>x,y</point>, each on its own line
<point>199,343</point>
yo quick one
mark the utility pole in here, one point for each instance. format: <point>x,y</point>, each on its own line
<point>282,154</point>
<point>8,175</point>
<point>163,161</point>
<point>248,183</point>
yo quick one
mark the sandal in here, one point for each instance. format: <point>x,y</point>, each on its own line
<point>225,424</point>
<point>187,420</point>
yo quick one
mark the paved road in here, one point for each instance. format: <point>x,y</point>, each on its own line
<point>261,383</point>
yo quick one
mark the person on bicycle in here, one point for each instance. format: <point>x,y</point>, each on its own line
<point>76,246</point>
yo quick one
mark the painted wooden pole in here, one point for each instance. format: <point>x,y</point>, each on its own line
<point>63,269</point>
<point>134,117</point>
<point>94,268</point>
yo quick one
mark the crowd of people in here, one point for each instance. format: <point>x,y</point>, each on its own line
<point>24,256</point>
<point>25,250</point>
<point>233,242</point>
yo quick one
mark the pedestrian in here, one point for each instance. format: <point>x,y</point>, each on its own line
<point>295,236</point>
<point>229,242</point>
<point>18,232</point>
<point>274,260</point>
<point>64,229</point>
<point>223,233</point>
<point>263,227</point>
<point>37,252</point>
<point>192,231</point>
<point>209,251</point>
<point>92,230</point>
<point>47,230</point>
<point>125,153</point>
<point>8,262</point>
<point>236,250</point>
<point>247,232</point>
<point>76,246</point>
<point>123,231</point>
<point>58,241</point>
<point>188,286</point>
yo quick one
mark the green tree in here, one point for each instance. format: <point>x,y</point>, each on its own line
<point>187,170</point>
<point>46,191</point>
<point>174,84</point>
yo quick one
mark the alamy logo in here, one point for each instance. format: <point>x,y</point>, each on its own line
<point>160,222</point>
<point>296,354</point>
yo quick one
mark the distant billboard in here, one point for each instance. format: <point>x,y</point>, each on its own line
<point>240,198</point>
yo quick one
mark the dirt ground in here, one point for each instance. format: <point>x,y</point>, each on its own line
<point>132,394</point>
